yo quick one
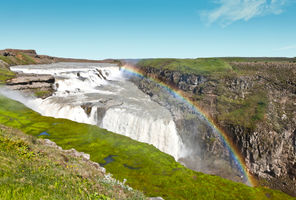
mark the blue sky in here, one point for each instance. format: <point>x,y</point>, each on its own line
<point>97,29</point>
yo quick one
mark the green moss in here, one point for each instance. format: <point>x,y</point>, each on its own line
<point>204,66</point>
<point>144,166</point>
<point>5,74</point>
<point>42,93</point>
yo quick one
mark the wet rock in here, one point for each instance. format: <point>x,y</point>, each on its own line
<point>87,108</point>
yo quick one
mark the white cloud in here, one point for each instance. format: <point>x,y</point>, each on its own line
<point>229,11</point>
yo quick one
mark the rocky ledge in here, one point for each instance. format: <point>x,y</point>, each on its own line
<point>41,85</point>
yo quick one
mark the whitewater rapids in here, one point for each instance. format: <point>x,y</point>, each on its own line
<point>100,94</point>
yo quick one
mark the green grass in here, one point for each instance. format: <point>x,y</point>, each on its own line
<point>156,173</point>
<point>7,60</point>
<point>19,59</point>
<point>246,112</point>
<point>5,74</point>
<point>203,66</point>
<point>42,93</point>
<point>31,170</point>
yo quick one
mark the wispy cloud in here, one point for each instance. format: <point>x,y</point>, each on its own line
<point>229,11</point>
<point>286,48</point>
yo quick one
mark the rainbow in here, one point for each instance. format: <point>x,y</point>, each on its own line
<point>227,142</point>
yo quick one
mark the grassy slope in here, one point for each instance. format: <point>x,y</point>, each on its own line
<point>145,167</point>
<point>31,170</point>
<point>246,112</point>
<point>19,59</point>
<point>5,74</point>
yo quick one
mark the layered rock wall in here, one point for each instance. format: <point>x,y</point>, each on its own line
<point>267,138</point>
<point>41,85</point>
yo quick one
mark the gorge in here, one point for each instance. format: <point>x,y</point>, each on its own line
<point>158,107</point>
<point>103,95</point>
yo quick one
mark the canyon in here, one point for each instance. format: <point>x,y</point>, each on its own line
<point>255,106</point>
<point>108,96</point>
<point>102,94</point>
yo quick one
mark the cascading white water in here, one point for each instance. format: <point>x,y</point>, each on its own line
<point>144,128</point>
<point>99,94</point>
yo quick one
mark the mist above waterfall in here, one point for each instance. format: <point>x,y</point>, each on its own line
<point>28,101</point>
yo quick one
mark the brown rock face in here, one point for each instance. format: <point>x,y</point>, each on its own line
<point>31,79</point>
<point>32,83</point>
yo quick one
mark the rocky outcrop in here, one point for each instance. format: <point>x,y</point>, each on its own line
<point>185,82</point>
<point>71,152</point>
<point>3,64</point>
<point>33,84</point>
<point>14,52</point>
<point>31,81</point>
<point>255,108</point>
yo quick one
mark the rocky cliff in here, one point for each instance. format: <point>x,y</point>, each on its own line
<point>254,103</point>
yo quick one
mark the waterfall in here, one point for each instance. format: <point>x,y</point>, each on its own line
<point>144,128</point>
<point>99,94</point>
